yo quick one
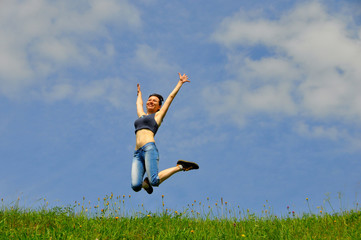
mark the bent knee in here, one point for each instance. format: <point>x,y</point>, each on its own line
<point>155,182</point>
<point>137,188</point>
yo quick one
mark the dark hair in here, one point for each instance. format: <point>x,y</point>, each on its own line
<point>158,96</point>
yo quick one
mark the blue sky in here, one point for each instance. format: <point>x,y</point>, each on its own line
<point>272,112</point>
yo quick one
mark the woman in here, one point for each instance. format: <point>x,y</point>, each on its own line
<point>146,156</point>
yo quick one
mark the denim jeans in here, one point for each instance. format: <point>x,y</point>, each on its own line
<point>145,160</point>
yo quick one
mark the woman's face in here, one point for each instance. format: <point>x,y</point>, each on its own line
<point>153,104</point>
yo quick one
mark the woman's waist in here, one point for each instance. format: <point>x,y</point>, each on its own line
<point>143,137</point>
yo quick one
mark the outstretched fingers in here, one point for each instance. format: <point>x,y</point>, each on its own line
<point>183,78</point>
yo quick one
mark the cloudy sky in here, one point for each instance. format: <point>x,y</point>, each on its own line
<point>272,112</point>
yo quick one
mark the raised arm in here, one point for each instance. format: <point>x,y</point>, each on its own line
<point>163,111</point>
<point>140,110</point>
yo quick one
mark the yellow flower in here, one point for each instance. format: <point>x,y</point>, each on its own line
<point>243,235</point>
<point>116,218</point>
<point>192,231</point>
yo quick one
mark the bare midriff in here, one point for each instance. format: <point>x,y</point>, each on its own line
<point>142,137</point>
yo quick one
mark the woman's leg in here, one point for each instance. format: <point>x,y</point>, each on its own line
<point>151,158</point>
<point>137,172</point>
<point>151,165</point>
<point>166,173</point>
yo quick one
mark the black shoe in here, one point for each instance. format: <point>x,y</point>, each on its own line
<point>150,188</point>
<point>187,165</point>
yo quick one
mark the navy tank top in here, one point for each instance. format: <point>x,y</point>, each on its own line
<point>146,122</point>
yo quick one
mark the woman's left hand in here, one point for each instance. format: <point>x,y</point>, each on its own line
<point>183,78</point>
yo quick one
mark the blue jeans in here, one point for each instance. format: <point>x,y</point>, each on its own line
<point>145,160</point>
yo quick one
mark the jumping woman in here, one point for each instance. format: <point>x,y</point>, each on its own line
<point>146,156</point>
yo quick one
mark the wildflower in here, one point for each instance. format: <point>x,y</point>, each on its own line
<point>148,215</point>
<point>192,231</point>
<point>116,218</point>
<point>123,196</point>
<point>243,235</point>
<point>176,212</point>
<point>162,196</point>
<point>306,199</point>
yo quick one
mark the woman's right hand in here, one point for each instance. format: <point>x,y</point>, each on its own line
<point>138,86</point>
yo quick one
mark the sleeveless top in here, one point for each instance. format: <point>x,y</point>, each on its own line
<point>146,122</point>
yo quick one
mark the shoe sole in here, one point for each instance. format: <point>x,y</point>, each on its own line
<point>149,190</point>
<point>188,165</point>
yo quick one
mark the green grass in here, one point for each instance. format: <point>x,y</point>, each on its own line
<point>107,219</point>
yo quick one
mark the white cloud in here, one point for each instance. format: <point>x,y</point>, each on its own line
<point>335,133</point>
<point>311,68</point>
<point>152,59</point>
<point>319,131</point>
<point>115,91</point>
<point>112,90</point>
<point>57,92</point>
<point>42,37</point>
